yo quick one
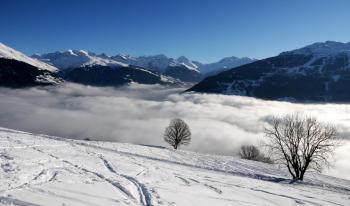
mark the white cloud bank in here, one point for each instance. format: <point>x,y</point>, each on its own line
<point>138,114</point>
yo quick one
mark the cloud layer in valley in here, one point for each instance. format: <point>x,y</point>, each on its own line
<point>139,114</point>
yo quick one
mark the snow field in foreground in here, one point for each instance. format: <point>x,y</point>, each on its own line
<point>43,170</point>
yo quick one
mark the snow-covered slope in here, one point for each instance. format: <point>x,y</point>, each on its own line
<point>318,72</point>
<point>9,53</point>
<point>194,65</point>
<point>43,170</point>
<point>18,70</point>
<point>323,49</point>
<point>76,58</point>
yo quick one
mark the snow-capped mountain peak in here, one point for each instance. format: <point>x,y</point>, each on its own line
<point>83,52</point>
<point>224,64</point>
<point>9,53</point>
<point>183,59</point>
<point>77,58</point>
<point>323,48</point>
<point>228,59</point>
<point>159,63</point>
<point>71,52</point>
<point>188,63</point>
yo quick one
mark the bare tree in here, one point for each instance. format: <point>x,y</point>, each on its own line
<point>177,133</point>
<point>249,152</point>
<point>301,143</point>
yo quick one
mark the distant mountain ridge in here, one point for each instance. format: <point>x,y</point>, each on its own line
<point>181,68</point>
<point>317,72</point>
<point>18,70</point>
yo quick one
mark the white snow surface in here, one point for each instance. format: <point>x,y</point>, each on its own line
<point>45,170</point>
<point>9,53</point>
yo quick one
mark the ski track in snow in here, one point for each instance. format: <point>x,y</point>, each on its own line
<point>111,182</point>
<point>12,201</point>
<point>142,175</point>
<point>183,180</point>
<point>144,194</point>
<point>115,184</point>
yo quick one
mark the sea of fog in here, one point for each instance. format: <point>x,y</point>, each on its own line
<point>139,114</point>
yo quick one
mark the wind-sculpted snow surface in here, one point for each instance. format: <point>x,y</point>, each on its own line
<point>46,170</point>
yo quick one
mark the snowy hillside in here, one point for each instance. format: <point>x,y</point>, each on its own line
<point>43,170</point>
<point>18,70</point>
<point>9,53</point>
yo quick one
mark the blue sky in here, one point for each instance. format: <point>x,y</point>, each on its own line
<point>204,30</point>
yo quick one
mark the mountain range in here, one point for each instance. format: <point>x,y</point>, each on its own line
<point>19,70</point>
<point>181,69</point>
<point>318,72</point>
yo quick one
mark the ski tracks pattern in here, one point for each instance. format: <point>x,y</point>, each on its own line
<point>145,196</point>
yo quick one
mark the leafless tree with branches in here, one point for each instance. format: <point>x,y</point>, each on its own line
<point>251,152</point>
<point>177,133</point>
<point>301,143</point>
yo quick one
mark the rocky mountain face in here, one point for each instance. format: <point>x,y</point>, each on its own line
<point>318,72</point>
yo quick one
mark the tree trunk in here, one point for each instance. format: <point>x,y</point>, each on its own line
<point>302,175</point>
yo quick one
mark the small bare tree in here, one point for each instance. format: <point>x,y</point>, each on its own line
<point>177,133</point>
<point>301,143</point>
<point>249,152</point>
